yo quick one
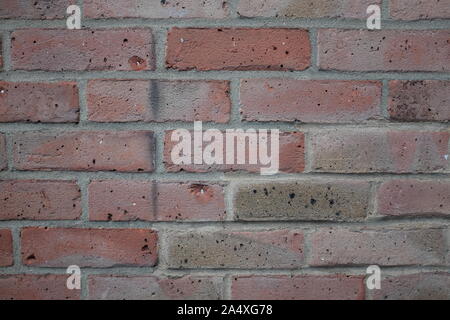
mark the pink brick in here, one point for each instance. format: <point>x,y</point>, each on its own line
<point>3,156</point>
<point>38,9</point>
<point>419,9</point>
<point>6,248</point>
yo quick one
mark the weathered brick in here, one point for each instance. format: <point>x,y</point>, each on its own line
<point>155,100</point>
<point>44,200</point>
<point>6,248</point>
<point>238,49</point>
<point>123,200</point>
<point>82,50</point>
<point>291,156</point>
<point>222,249</point>
<point>1,57</point>
<point>427,100</point>
<point>155,288</point>
<point>304,287</point>
<point>414,197</point>
<point>39,102</point>
<point>418,286</point>
<point>156,9</point>
<point>302,200</point>
<point>127,151</point>
<point>36,287</point>
<point>38,9</point>
<point>386,247</point>
<point>310,100</point>
<point>386,50</point>
<point>419,9</point>
<point>357,151</point>
<point>3,157</point>
<point>351,9</point>
<point>58,247</point>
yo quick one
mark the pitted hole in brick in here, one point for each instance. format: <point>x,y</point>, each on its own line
<point>137,63</point>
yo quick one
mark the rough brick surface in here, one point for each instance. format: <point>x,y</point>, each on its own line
<point>122,200</point>
<point>414,197</point>
<point>6,248</point>
<point>419,100</point>
<point>310,101</point>
<point>363,151</point>
<point>39,102</point>
<point>155,288</point>
<point>258,250</point>
<point>58,247</point>
<point>304,287</point>
<point>36,287</point>
<point>1,56</point>
<point>38,9</point>
<point>238,49</point>
<point>128,151</point>
<point>214,9</point>
<point>303,200</point>
<point>80,50</point>
<point>419,9</point>
<point>3,156</point>
<point>387,50</point>
<point>39,200</point>
<point>353,247</point>
<point>161,101</point>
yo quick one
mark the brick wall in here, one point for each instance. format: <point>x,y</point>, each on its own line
<point>364,152</point>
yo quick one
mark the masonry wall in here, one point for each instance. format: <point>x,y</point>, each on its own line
<point>87,177</point>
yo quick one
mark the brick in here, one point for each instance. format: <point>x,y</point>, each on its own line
<point>419,10</point>
<point>350,9</point>
<point>156,9</point>
<point>59,247</point>
<point>122,200</point>
<point>45,200</point>
<point>159,101</point>
<point>38,9</point>
<point>291,156</point>
<point>155,288</point>
<point>36,287</point>
<point>385,247</point>
<point>39,102</point>
<point>243,250</point>
<point>82,50</point>
<point>387,50</point>
<point>3,156</point>
<point>427,100</point>
<point>1,57</point>
<point>367,151</point>
<point>304,287</point>
<point>322,101</point>
<point>402,197</point>
<point>418,286</point>
<point>302,200</point>
<point>238,49</point>
<point>126,151</point>
<point>6,248</point>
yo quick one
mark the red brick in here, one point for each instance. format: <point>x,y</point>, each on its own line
<point>36,287</point>
<point>58,247</point>
<point>414,197</point>
<point>310,100</point>
<point>304,287</point>
<point>427,100</point>
<point>38,9</point>
<point>155,288</point>
<point>243,250</point>
<point>6,249</point>
<point>45,200</point>
<point>366,151</point>
<point>154,100</point>
<point>291,156</point>
<point>127,151</point>
<point>418,286</point>
<point>419,9</point>
<point>352,9</point>
<point>3,157</point>
<point>385,247</point>
<point>156,9</point>
<point>82,50</point>
<point>238,49</point>
<point>124,200</point>
<point>39,102</point>
<point>1,57</point>
<point>387,50</point>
